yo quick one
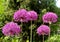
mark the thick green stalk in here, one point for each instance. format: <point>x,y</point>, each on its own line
<point>31,32</point>
<point>49,38</point>
<point>21,40</point>
<point>49,33</point>
<point>43,38</point>
<point>43,35</point>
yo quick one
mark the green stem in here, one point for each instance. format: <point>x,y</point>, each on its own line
<point>57,35</point>
<point>49,35</point>
<point>49,38</point>
<point>21,24</point>
<point>43,38</point>
<point>12,39</point>
<point>31,32</point>
<point>21,40</point>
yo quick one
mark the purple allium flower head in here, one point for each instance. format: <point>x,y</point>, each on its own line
<point>49,17</point>
<point>11,28</point>
<point>32,15</point>
<point>43,30</point>
<point>21,15</point>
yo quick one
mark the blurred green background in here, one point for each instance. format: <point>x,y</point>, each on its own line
<point>8,7</point>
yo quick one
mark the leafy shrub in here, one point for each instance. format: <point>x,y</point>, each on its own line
<point>54,38</point>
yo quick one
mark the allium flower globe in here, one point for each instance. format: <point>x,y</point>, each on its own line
<point>32,15</point>
<point>50,17</point>
<point>43,30</point>
<point>21,16</point>
<point>11,29</point>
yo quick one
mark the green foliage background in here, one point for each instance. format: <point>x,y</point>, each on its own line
<point>8,7</point>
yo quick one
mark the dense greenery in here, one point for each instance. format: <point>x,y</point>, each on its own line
<point>8,7</point>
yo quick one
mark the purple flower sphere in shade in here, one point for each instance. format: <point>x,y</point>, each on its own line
<point>11,28</point>
<point>32,15</point>
<point>21,16</point>
<point>43,30</point>
<point>50,17</point>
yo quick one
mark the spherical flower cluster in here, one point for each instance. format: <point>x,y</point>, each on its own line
<point>32,15</point>
<point>49,17</point>
<point>43,30</point>
<point>24,16</point>
<point>21,15</point>
<point>11,28</point>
